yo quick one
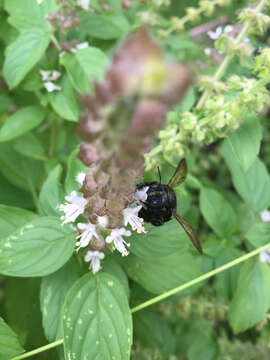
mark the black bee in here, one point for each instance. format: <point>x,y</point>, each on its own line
<point>160,204</point>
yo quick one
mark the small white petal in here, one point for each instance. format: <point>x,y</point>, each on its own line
<point>39,2</point>
<point>141,194</point>
<point>86,236</point>
<point>83,4</point>
<point>207,51</point>
<point>118,241</point>
<point>82,45</point>
<point>80,177</point>
<point>264,256</point>
<point>45,74</point>
<point>228,29</point>
<point>55,75</point>
<point>103,221</point>
<point>214,35</point>
<point>73,208</point>
<point>131,217</point>
<point>265,216</point>
<point>94,257</point>
<point>49,86</point>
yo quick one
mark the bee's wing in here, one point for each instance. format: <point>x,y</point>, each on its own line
<point>179,175</point>
<point>190,232</point>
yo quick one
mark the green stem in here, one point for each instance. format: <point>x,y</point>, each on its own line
<point>38,350</point>
<point>162,296</point>
<point>199,279</point>
<point>223,66</point>
<point>55,41</point>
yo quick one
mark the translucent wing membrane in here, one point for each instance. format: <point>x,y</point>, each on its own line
<point>180,174</point>
<point>190,232</point>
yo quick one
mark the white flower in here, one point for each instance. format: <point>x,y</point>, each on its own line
<point>80,177</point>
<point>118,241</point>
<point>39,2</point>
<point>49,75</point>
<point>265,256</point>
<point>74,208</point>
<point>50,86</point>
<point>214,35</point>
<point>83,4</point>
<point>86,235</point>
<point>131,217</point>
<point>141,194</point>
<point>103,221</point>
<point>94,257</point>
<point>228,29</point>
<point>82,45</point>
<point>207,51</point>
<point>265,216</point>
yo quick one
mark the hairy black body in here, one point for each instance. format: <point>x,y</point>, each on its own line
<point>159,205</point>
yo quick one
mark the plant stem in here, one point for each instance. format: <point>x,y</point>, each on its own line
<point>223,66</point>
<point>55,41</point>
<point>162,296</point>
<point>38,350</point>
<point>199,279</point>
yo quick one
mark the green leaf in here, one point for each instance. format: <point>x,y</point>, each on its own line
<point>218,212</point>
<point>97,320</point>
<point>9,343</point>
<point>159,274</point>
<point>110,25</point>
<point>29,145</point>
<point>18,169</point>
<point>226,282</point>
<point>25,317</point>
<point>38,248</point>
<point>197,340</point>
<point>252,185</point>
<point>84,67</point>
<point>13,196</point>
<point>52,295</point>
<point>159,241</point>
<point>111,266</point>
<point>23,54</point>
<point>154,331</point>
<point>52,194</point>
<point>64,102</point>
<point>21,121</point>
<point>252,297</point>
<point>259,234</point>
<point>12,218</point>
<point>245,141</point>
<point>74,167</point>
<point>5,102</point>
<point>27,14</point>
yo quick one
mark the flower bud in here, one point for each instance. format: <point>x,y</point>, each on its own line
<point>207,7</point>
<point>188,121</point>
<point>193,14</point>
<point>177,24</point>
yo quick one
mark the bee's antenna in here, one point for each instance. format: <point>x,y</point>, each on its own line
<point>159,175</point>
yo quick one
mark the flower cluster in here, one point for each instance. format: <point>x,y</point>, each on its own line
<point>223,103</point>
<point>92,235</point>
<point>118,127</point>
<point>49,77</point>
<point>193,14</point>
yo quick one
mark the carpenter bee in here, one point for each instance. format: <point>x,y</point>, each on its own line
<point>159,202</point>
